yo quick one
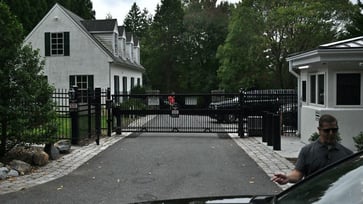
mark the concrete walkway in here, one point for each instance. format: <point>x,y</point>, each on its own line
<point>270,161</point>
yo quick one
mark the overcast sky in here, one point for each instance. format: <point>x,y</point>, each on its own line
<point>119,8</point>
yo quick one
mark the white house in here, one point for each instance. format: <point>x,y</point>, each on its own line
<point>86,53</point>
<point>330,81</point>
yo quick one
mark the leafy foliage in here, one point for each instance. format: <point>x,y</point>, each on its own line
<point>30,12</point>
<point>137,21</point>
<point>263,33</point>
<point>358,140</point>
<point>164,47</point>
<point>25,104</point>
<point>355,28</point>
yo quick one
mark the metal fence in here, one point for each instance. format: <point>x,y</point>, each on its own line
<point>86,114</point>
<point>61,99</point>
<point>216,112</point>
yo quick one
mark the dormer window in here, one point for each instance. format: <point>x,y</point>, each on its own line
<point>116,45</point>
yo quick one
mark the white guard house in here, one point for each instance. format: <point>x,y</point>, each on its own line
<point>330,82</point>
<point>86,53</point>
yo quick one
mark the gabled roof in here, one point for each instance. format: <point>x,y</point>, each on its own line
<point>108,22</point>
<point>348,43</point>
<point>107,25</point>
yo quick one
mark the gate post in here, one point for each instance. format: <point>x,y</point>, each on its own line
<point>118,123</point>
<point>73,112</point>
<point>98,114</point>
<point>276,138</point>
<point>109,116</point>
<point>264,126</point>
<point>269,128</point>
<point>90,101</point>
<point>240,114</point>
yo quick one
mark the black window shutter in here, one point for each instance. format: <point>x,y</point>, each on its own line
<point>72,81</point>
<point>66,43</point>
<point>47,43</point>
<point>90,82</point>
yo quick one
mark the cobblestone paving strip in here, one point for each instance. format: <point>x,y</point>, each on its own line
<point>268,160</point>
<point>58,168</point>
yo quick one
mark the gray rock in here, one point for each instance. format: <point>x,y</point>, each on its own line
<point>40,158</point>
<point>21,153</point>
<point>2,165</point>
<point>52,151</point>
<point>4,169</point>
<point>13,173</point>
<point>3,173</point>
<point>64,146</point>
<point>20,166</point>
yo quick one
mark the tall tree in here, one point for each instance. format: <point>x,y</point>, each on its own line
<point>25,101</point>
<point>163,50</point>
<point>205,29</point>
<point>356,27</point>
<point>30,12</point>
<point>284,27</point>
<point>137,21</point>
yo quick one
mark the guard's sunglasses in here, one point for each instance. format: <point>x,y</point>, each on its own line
<point>327,130</point>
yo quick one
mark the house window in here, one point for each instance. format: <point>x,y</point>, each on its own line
<point>57,44</point>
<point>124,47</point>
<point>349,89</point>
<point>84,84</point>
<point>124,85</point>
<point>303,94</point>
<point>132,82</point>
<point>312,89</point>
<point>117,87</point>
<point>138,82</point>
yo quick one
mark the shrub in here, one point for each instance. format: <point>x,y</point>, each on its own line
<point>358,140</point>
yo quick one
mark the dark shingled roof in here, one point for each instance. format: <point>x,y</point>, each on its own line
<point>100,25</point>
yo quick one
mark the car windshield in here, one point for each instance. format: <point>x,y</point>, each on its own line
<point>342,183</point>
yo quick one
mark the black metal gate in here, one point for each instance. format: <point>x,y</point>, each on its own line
<point>198,113</point>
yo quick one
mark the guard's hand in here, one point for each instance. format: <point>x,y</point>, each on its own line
<point>280,178</point>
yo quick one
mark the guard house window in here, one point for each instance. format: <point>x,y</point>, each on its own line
<point>84,84</point>
<point>312,89</point>
<point>321,88</point>
<point>57,44</point>
<point>349,89</point>
<point>317,89</point>
<point>303,94</point>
